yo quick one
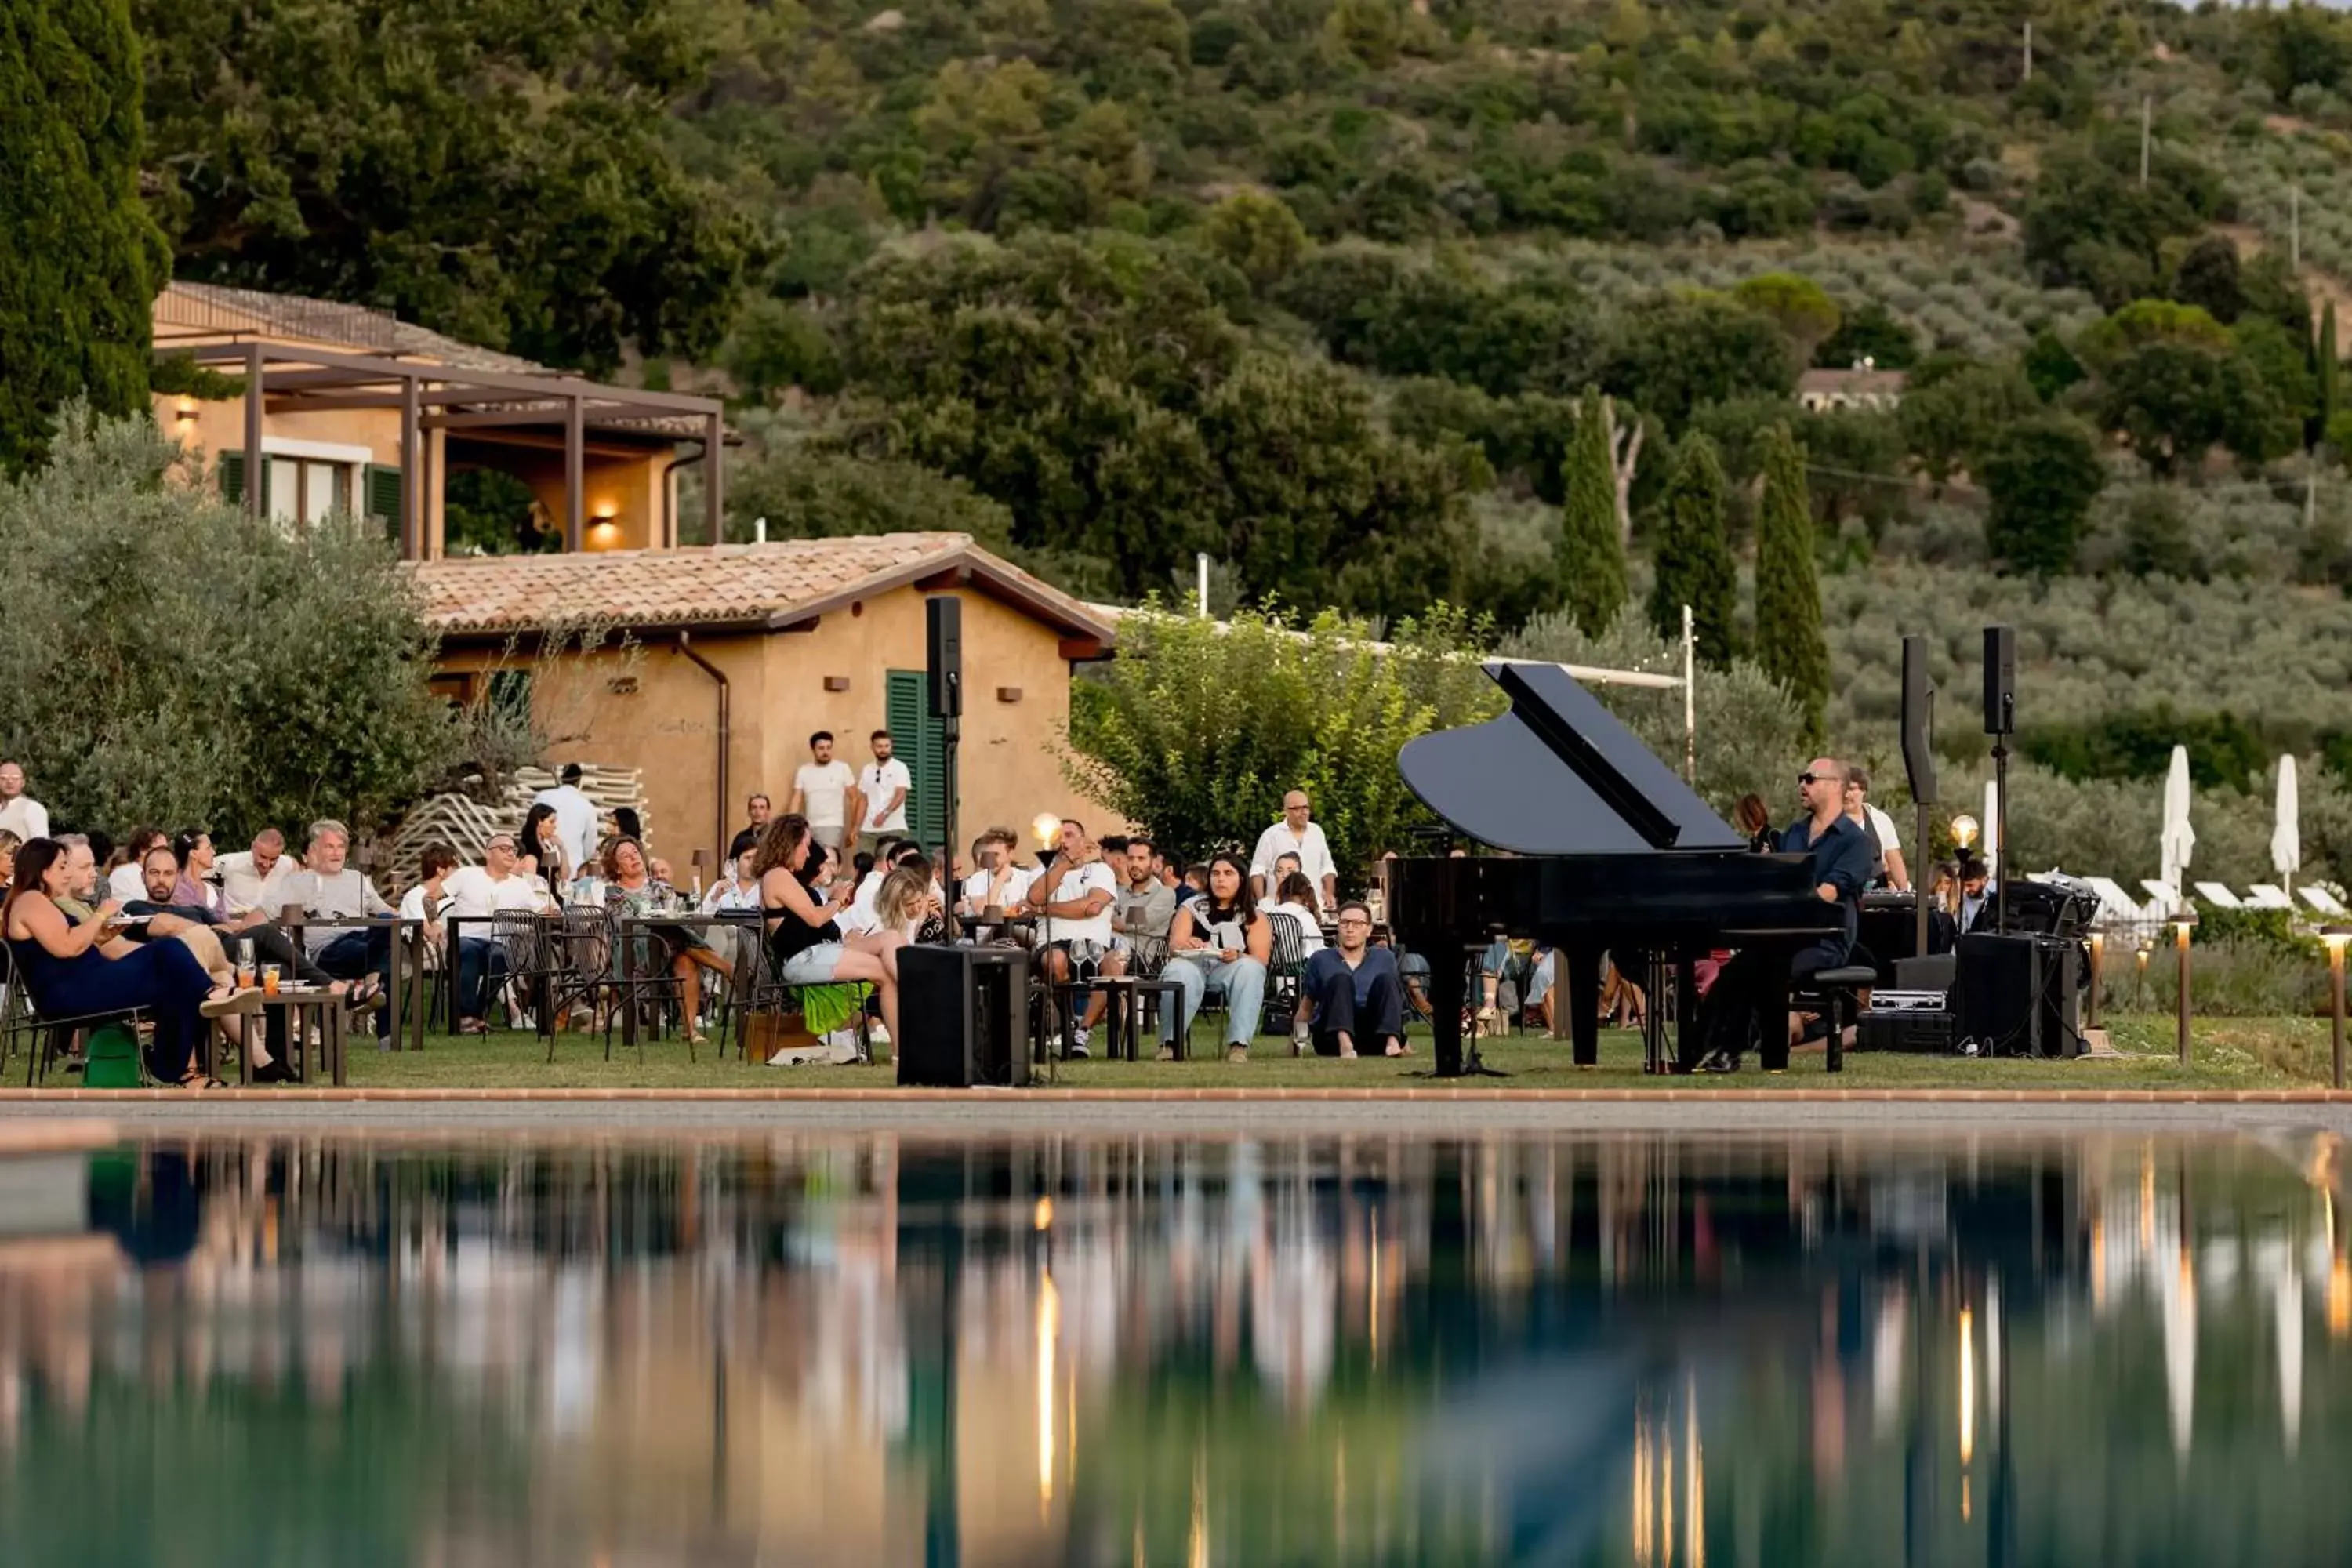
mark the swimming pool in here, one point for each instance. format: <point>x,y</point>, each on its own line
<point>578,1345</point>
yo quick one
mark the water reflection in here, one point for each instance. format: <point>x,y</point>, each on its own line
<point>1624,1351</point>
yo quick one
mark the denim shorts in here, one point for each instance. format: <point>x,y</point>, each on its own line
<point>812,965</point>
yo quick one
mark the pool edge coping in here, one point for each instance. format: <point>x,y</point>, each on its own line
<point>1426,1094</point>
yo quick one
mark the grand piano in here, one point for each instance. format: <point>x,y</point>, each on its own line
<point>1607,851</point>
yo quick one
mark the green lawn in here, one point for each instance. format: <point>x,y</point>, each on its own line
<point>2230,1053</point>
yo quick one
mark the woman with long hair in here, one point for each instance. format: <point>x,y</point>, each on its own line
<point>631,889</point>
<point>543,842</point>
<point>804,938</point>
<point>904,901</point>
<point>1225,941</point>
<point>83,969</point>
<point>1754,819</point>
<point>9,845</point>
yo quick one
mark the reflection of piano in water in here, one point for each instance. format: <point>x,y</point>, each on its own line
<point>1613,852</point>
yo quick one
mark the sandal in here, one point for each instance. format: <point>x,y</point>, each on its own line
<point>366,997</point>
<point>234,1003</point>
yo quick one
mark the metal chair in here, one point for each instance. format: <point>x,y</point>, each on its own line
<point>52,1037</point>
<point>1285,974</point>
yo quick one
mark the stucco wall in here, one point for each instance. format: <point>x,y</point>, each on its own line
<point>668,725</point>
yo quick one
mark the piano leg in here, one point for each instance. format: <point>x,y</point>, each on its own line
<point>1686,1010</point>
<point>1657,973</point>
<point>1447,987</point>
<point>1580,993</point>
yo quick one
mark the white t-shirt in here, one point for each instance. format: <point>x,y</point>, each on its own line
<point>28,819</point>
<point>823,791</point>
<point>126,882</point>
<point>1075,884</point>
<point>412,904</point>
<point>1885,825</point>
<point>473,893</point>
<point>1314,854</point>
<point>576,822</point>
<point>1310,931</point>
<point>244,890</point>
<point>878,781</point>
<point>1016,888</point>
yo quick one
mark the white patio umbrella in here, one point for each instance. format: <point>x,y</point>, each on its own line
<point>2179,840</point>
<point>1991,831</point>
<point>2286,832</point>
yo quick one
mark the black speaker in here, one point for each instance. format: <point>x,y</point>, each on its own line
<point>1918,699</point>
<point>963,1016</point>
<point>1995,995</point>
<point>946,655</point>
<point>2000,682</point>
<point>2021,995</point>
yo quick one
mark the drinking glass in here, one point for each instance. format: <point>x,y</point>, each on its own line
<point>269,979</point>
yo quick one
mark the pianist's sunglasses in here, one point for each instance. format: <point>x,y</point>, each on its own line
<point>1808,778</point>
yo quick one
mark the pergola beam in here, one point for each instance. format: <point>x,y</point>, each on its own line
<point>388,369</point>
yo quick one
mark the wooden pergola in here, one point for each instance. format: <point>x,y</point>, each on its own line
<point>430,396</point>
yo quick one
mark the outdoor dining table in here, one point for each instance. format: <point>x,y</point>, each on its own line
<point>651,923</point>
<point>453,931</point>
<point>323,1009</point>
<point>402,986</point>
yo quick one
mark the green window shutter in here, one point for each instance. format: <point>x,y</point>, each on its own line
<point>382,498</point>
<point>921,745</point>
<point>233,470</point>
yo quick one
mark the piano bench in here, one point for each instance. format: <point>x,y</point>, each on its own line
<point>1833,990</point>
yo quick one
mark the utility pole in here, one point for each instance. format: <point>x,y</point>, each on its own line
<point>2029,51</point>
<point>2146,101</point>
<point>2295,226</point>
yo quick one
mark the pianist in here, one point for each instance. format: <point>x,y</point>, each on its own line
<point>1840,871</point>
<point>1843,863</point>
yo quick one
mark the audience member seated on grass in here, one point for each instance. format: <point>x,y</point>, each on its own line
<point>1530,967</point>
<point>85,968</point>
<point>804,940</point>
<point>1072,900</point>
<point>125,880</point>
<point>631,889</point>
<point>205,935</point>
<point>255,879</point>
<point>1220,941</point>
<point>1294,901</point>
<point>1352,992</point>
<point>330,889</point>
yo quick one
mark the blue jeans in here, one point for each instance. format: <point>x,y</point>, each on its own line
<point>481,970</point>
<point>357,953</point>
<point>1241,983</point>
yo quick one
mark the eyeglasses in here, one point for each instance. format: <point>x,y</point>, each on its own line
<point>1809,778</point>
<point>1354,920</point>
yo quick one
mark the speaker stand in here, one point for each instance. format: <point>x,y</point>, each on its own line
<point>2001,850</point>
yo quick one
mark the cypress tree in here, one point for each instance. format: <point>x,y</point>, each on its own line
<point>81,260</point>
<point>1788,643</point>
<point>2330,369</point>
<point>1694,565</point>
<point>1591,559</point>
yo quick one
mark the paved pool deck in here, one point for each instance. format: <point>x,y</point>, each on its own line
<point>1198,1114</point>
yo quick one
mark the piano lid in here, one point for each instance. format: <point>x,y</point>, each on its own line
<point>1558,775</point>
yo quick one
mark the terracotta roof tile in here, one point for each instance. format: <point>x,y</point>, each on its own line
<point>734,584</point>
<point>332,322</point>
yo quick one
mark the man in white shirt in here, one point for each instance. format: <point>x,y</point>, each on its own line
<point>1294,835</point>
<point>20,814</point>
<point>330,889</point>
<point>256,878</point>
<point>1879,828</point>
<point>999,883</point>
<point>1073,899</point>
<point>820,791</point>
<point>475,893</point>
<point>882,789</point>
<point>576,817</point>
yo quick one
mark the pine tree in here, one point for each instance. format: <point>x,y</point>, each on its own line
<point>1694,564</point>
<point>1789,642</point>
<point>1591,559</point>
<point>79,259</point>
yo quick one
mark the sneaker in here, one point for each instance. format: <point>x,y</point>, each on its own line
<point>1236,1053</point>
<point>1167,1053</point>
<point>876,1033</point>
<point>840,1047</point>
<point>1080,1040</point>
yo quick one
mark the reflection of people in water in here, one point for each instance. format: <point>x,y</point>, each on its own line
<point>149,1202</point>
